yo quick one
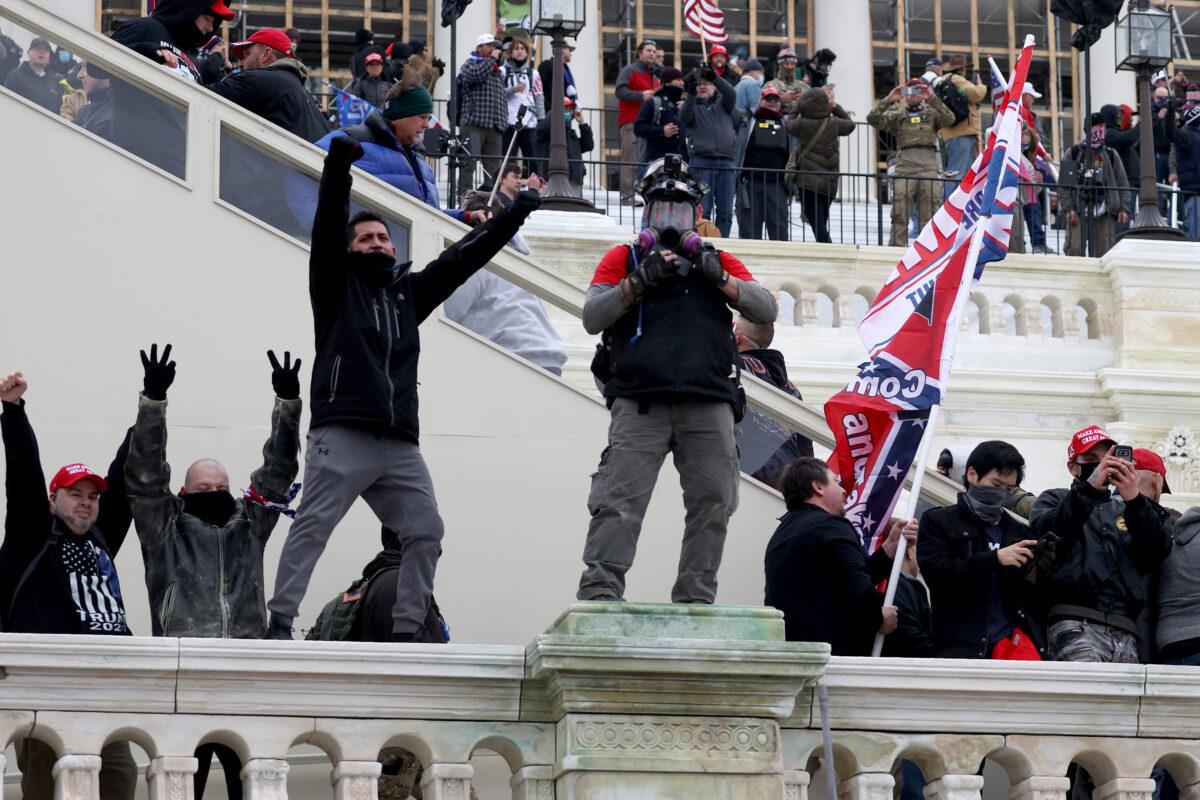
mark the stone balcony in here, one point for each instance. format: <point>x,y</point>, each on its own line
<point>613,701</point>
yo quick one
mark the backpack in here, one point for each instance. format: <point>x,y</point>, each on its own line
<point>640,145</point>
<point>953,98</point>
<point>339,619</point>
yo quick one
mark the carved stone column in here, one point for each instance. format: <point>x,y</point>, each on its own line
<point>170,777</point>
<point>447,782</point>
<point>808,309</point>
<point>867,786</point>
<point>1125,789</point>
<point>845,310</point>
<point>996,322</point>
<point>356,780</point>
<point>1032,312</point>
<point>1041,787</point>
<point>77,778</point>
<point>265,779</point>
<point>795,784</point>
<point>1191,792</point>
<point>530,783</point>
<point>955,787</point>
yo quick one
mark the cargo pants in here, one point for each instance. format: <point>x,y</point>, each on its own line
<point>700,434</point>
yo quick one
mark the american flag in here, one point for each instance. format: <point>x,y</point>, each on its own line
<point>705,19</point>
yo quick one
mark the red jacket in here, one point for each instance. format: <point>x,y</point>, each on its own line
<point>633,80</point>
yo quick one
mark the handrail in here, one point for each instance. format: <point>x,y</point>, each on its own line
<point>208,113</point>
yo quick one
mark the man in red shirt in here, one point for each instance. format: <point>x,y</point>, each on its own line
<point>636,84</point>
<point>670,370</point>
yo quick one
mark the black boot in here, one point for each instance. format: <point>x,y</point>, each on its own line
<point>277,630</point>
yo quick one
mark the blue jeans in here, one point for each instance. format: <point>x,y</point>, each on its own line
<point>721,177</point>
<point>1191,216</point>
<point>1032,212</point>
<point>960,154</point>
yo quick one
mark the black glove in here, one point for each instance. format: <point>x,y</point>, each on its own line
<point>439,65</point>
<point>526,202</point>
<point>709,75</point>
<point>650,272</point>
<point>286,378</point>
<point>344,149</point>
<point>691,82</point>
<point>708,266</point>
<point>159,375</point>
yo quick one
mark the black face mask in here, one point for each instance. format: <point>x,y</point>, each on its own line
<point>379,269</point>
<point>987,502</point>
<point>1086,470</point>
<point>672,93</point>
<point>215,508</point>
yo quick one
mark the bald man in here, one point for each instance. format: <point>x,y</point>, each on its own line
<point>202,547</point>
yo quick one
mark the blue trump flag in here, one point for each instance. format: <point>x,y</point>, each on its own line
<point>351,110</point>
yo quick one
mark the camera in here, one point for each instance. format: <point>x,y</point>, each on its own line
<point>910,91</point>
<point>1124,452</point>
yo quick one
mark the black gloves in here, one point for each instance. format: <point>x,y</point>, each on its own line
<point>439,65</point>
<point>344,149</point>
<point>286,378</point>
<point>708,266</point>
<point>691,82</point>
<point>159,375</point>
<point>709,75</point>
<point>526,202</point>
<point>650,272</point>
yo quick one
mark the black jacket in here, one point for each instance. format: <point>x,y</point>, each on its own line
<point>10,56</point>
<point>577,145</point>
<point>1125,141</point>
<point>366,312</point>
<point>44,89</point>
<point>142,123</point>
<point>819,577</point>
<point>766,447</point>
<point>1108,548</point>
<point>35,577</point>
<point>913,637</point>
<point>96,116</point>
<point>958,565</point>
<point>277,94</point>
<point>643,355</point>
<point>656,113</point>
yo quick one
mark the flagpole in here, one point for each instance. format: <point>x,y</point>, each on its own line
<point>914,495</point>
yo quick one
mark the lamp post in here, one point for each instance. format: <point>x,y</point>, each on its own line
<point>1143,44</point>
<point>559,19</point>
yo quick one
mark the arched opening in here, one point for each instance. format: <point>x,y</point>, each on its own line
<point>1091,319</point>
<point>789,305</point>
<point>980,304</point>
<point>310,769</point>
<point>403,759</point>
<point>827,307</point>
<point>845,765</point>
<point>1052,317</point>
<point>492,777</point>
<point>860,302</point>
<point>1014,320</point>
<point>30,764</point>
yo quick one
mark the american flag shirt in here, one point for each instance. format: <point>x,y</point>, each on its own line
<point>93,585</point>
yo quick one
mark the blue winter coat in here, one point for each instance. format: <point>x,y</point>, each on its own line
<point>384,158</point>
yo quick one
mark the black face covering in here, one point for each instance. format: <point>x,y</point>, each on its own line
<point>1086,470</point>
<point>672,93</point>
<point>987,502</point>
<point>215,508</point>
<point>379,269</point>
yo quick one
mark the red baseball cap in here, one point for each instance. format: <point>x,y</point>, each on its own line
<point>221,10</point>
<point>717,50</point>
<point>372,58</point>
<point>72,474</point>
<point>769,91</point>
<point>1151,462</point>
<point>275,39</point>
<point>1086,439</point>
<point>568,102</point>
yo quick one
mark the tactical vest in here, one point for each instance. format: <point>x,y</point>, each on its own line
<point>769,135</point>
<point>676,343</point>
<point>916,130</point>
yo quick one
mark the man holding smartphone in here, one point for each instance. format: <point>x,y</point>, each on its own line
<point>1112,538</point>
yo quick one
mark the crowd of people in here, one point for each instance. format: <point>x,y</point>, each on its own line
<point>1097,571</point>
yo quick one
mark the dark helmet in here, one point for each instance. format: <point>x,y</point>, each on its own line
<point>671,195</point>
<point>669,178</point>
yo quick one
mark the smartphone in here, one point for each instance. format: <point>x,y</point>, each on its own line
<point>1123,452</point>
<point>910,91</point>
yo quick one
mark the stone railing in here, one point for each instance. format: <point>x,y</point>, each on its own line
<point>614,701</point>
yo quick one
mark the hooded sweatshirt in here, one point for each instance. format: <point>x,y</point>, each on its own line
<point>142,123</point>
<point>1179,584</point>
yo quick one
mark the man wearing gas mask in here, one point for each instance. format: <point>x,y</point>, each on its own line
<point>670,370</point>
<point>1092,193</point>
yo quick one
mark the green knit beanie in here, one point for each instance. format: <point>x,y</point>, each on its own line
<point>409,104</point>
